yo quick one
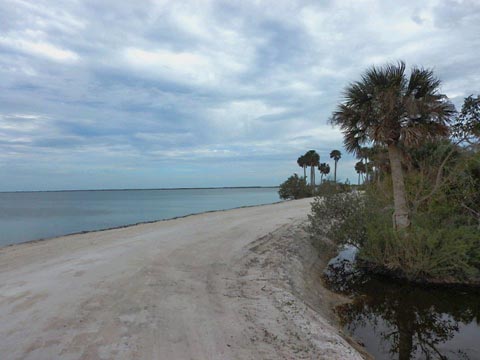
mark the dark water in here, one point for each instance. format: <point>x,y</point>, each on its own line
<point>36,215</point>
<point>401,321</point>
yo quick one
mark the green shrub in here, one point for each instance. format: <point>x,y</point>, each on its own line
<point>438,247</point>
<point>339,217</point>
<point>425,253</point>
<point>329,187</point>
<point>294,188</point>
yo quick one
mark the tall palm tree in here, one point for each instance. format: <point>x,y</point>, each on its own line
<point>303,164</point>
<point>390,108</point>
<point>312,159</point>
<point>360,168</point>
<point>324,169</point>
<point>335,155</point>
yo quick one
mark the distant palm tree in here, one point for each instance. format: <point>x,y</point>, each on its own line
<point>360,168</point>
<point>365,154</point>
<point>312,159</point>
<point>303,164</point>
<point>335,155</point>
<point>324,169</point>
<point>380,161</point>
<point>389,108</point>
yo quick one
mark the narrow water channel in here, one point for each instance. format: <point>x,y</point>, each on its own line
<point>401,321</point>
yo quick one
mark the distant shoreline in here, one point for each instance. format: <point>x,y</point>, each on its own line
<point>146,189</point>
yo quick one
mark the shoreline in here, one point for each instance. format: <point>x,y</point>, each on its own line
<point>133,224</point>
<point>246,277</point>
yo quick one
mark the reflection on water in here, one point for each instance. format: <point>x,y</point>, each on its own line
<point>401,321</point>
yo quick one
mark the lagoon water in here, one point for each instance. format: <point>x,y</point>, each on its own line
<point>396,320</point>
<point>28,216</point>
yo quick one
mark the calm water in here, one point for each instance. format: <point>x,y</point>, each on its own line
<point>405,322</point>
<point>38,215</point>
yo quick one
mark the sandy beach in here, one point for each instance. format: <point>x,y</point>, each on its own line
<point>236,284</point>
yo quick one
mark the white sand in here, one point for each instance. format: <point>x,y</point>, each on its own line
<point>225,285</point>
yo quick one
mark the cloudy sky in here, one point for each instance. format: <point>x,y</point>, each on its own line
<point>142,94</point>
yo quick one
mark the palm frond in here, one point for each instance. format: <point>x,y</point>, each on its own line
<point>422,83</point>
<point>387,106</point>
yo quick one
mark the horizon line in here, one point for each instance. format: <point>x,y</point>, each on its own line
<point>143,189</point>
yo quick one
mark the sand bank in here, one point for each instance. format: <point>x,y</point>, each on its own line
<point>237,284</point>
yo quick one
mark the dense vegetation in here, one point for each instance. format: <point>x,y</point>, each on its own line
<point>417,216</point>
<point>294,188</point>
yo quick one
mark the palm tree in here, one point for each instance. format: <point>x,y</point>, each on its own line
<point>365,154</point>
<point>303,164</point>
<point>312,159</point>
<point>335,155</point>
<point>379,157</point>
<point>388,107</point>
<point>324,169</point>
<point>360,168</point>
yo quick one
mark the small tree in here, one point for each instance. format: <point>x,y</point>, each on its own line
<point>294,187</point>
<point>324,169</point>
<point>312,159</point>
<point>364,154</point>
<point>335,155</point>
<point>467,126</point>
<point>303,164</point>
<point>360,168</point>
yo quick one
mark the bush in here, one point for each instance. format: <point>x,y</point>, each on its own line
<point>339,217</point>
<point>425,253</point>
<point>439,247</point>
<point>329,187</point>
<point>294,188</point>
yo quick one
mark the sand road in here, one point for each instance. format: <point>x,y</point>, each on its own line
<point>208,286</point>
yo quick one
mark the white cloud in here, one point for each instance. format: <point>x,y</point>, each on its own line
<point>207,69</point>
<point>199,153</point>
<point>22,122</point>
<point>239,118</point>
<point>39,48</point>
<point>184,66</point>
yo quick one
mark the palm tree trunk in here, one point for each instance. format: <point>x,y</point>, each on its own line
<point>401,219</point>
<point>358,178</point>
<point>312,177</point>
<point>305,172</point>
<point>335,173</point>
<point>366,171</point>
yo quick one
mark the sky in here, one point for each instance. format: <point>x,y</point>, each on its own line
<point>151,94</point>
